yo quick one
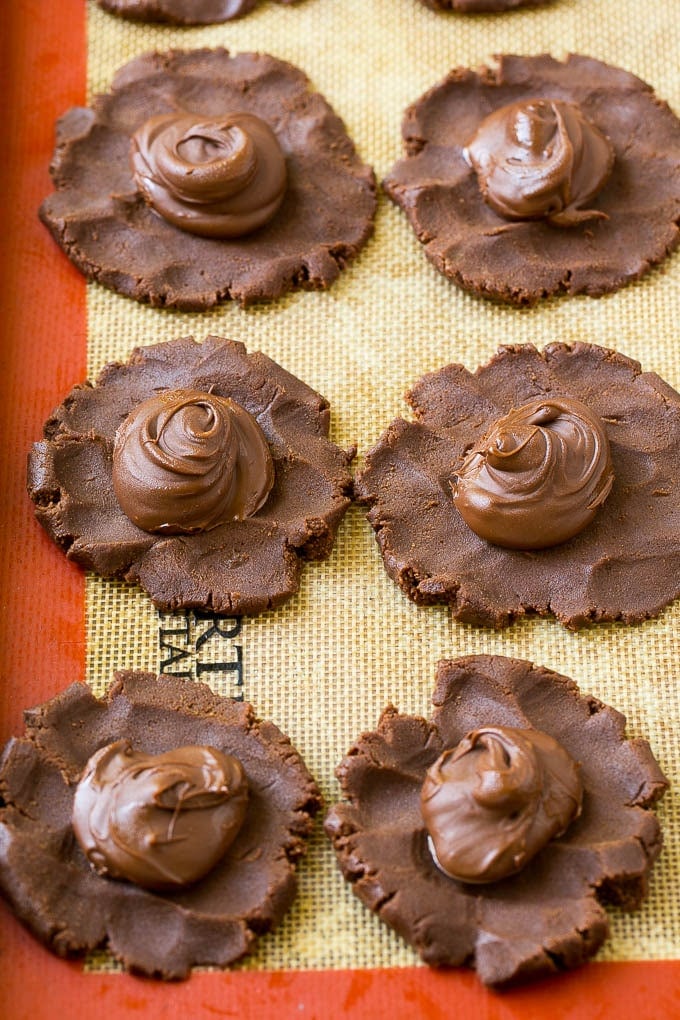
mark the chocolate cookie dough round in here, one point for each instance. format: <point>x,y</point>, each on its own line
<point>624,563</point>
<point>100,216</point>
<point>200,471</point>
<point>182,12</point>
<point>53,888</point>
<point>548,916</point>
<point>630,224</point>
<point>481,6</point>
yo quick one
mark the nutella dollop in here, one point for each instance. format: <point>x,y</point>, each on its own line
<point>540,159</point>
<point>537,477</point>
<point>160,821</point>
<point>186,461</point>
<point>220,177</point>
<point>491,803</point>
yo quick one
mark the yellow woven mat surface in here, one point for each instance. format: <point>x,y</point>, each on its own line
<point>325,665</point>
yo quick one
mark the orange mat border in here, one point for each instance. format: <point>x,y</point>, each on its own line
<point>38,986</point>
<point>42,644</point>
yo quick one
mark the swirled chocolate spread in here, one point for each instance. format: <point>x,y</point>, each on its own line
<point>540,158</point>
<point>186,461</point>
<point>491,803</point>
<point>162,821</point>
<point>221,177</point>
<point>537,477</point>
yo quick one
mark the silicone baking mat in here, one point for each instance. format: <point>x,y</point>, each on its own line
<point>323,666</point>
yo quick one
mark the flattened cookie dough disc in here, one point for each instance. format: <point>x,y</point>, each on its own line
<point>549,916</point>
<point>625,565</point>
<point>55,891</point>
<point>240,566</point>
<point>182,12</point>
<point>481,6</point>
<point>522,261</point>
<point>100,219</point>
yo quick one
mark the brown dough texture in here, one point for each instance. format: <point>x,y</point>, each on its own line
<point>481,6</point>
<point>99,218</point>
<point>238,567</point>
<point>181,12</point>
<point>521,262</point>
<point>547,918</point>
<point>624,566</point>
<point>57,894</point>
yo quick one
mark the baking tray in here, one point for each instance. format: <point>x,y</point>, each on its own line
<point>391,313</point>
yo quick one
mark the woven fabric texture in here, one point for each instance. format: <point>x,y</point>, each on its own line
<point>325,665</point>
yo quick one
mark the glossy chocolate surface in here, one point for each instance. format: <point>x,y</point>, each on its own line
<point>161,821</point>
<point>216,177</point>
<point>186,461</point>
<point>495,800</point>
<point>537,477</point>
<point>538,159</point>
